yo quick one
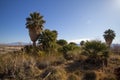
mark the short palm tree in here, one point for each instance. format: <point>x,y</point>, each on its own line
<point>94,48</point>
<point>48,40</point>
<point>109,35</point>
<point>62,42</point>
<point>96,51</point>
<point>35,25</point>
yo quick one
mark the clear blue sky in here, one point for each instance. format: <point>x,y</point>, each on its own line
<point>74,20</point>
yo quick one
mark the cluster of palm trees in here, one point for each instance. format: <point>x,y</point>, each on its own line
<point>48,39</point>
<point>35,23</point>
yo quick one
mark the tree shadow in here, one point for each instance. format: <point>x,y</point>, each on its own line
<point>75,65</point>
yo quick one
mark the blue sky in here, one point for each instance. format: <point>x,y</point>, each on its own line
<point>75,20</point>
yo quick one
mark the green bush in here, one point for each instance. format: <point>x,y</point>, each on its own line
<point>29,49</point>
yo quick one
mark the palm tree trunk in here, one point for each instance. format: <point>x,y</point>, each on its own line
<point>34,43</point>
<point>108,42</point>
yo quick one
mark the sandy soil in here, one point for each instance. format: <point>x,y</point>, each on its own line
<point>6,49</point>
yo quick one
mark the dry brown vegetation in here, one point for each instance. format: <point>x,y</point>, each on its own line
<point>22,66</point>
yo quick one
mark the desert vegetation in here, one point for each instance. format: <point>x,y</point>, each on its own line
<point>52,59</point>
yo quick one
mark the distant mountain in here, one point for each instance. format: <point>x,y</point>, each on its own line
<point>16,44</point>
<point>25,43</point>
<point>115,45</point>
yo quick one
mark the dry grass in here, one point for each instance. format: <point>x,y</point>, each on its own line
<point>54,73</point>
<point>24,66</point>
<point>18,66</point>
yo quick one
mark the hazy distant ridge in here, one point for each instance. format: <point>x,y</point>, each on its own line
<point>15,43</point>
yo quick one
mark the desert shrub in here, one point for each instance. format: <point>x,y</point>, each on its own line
<point>42,64</point>
<point>46,60</point>
<point>78,73</point>
<point>92,63</point>
<point>53,73</point>
<point>18,67</point>
<point>89,75</point>
<point>109,78</point>
<point>72,55</point>
<point>69,55</point>
<point>41,53</point>
<point>72,77</point>
<point>82,57</point>
<point>58,61</point>
<point>29,49</point>
<point>69,50</point>
<point>69,47</point>
<point>5,65</point>
<point>117,73</point>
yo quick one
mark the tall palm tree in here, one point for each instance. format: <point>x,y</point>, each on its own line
<point>34,23</point>
<point>82,43</point>
<point>109,35</point>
